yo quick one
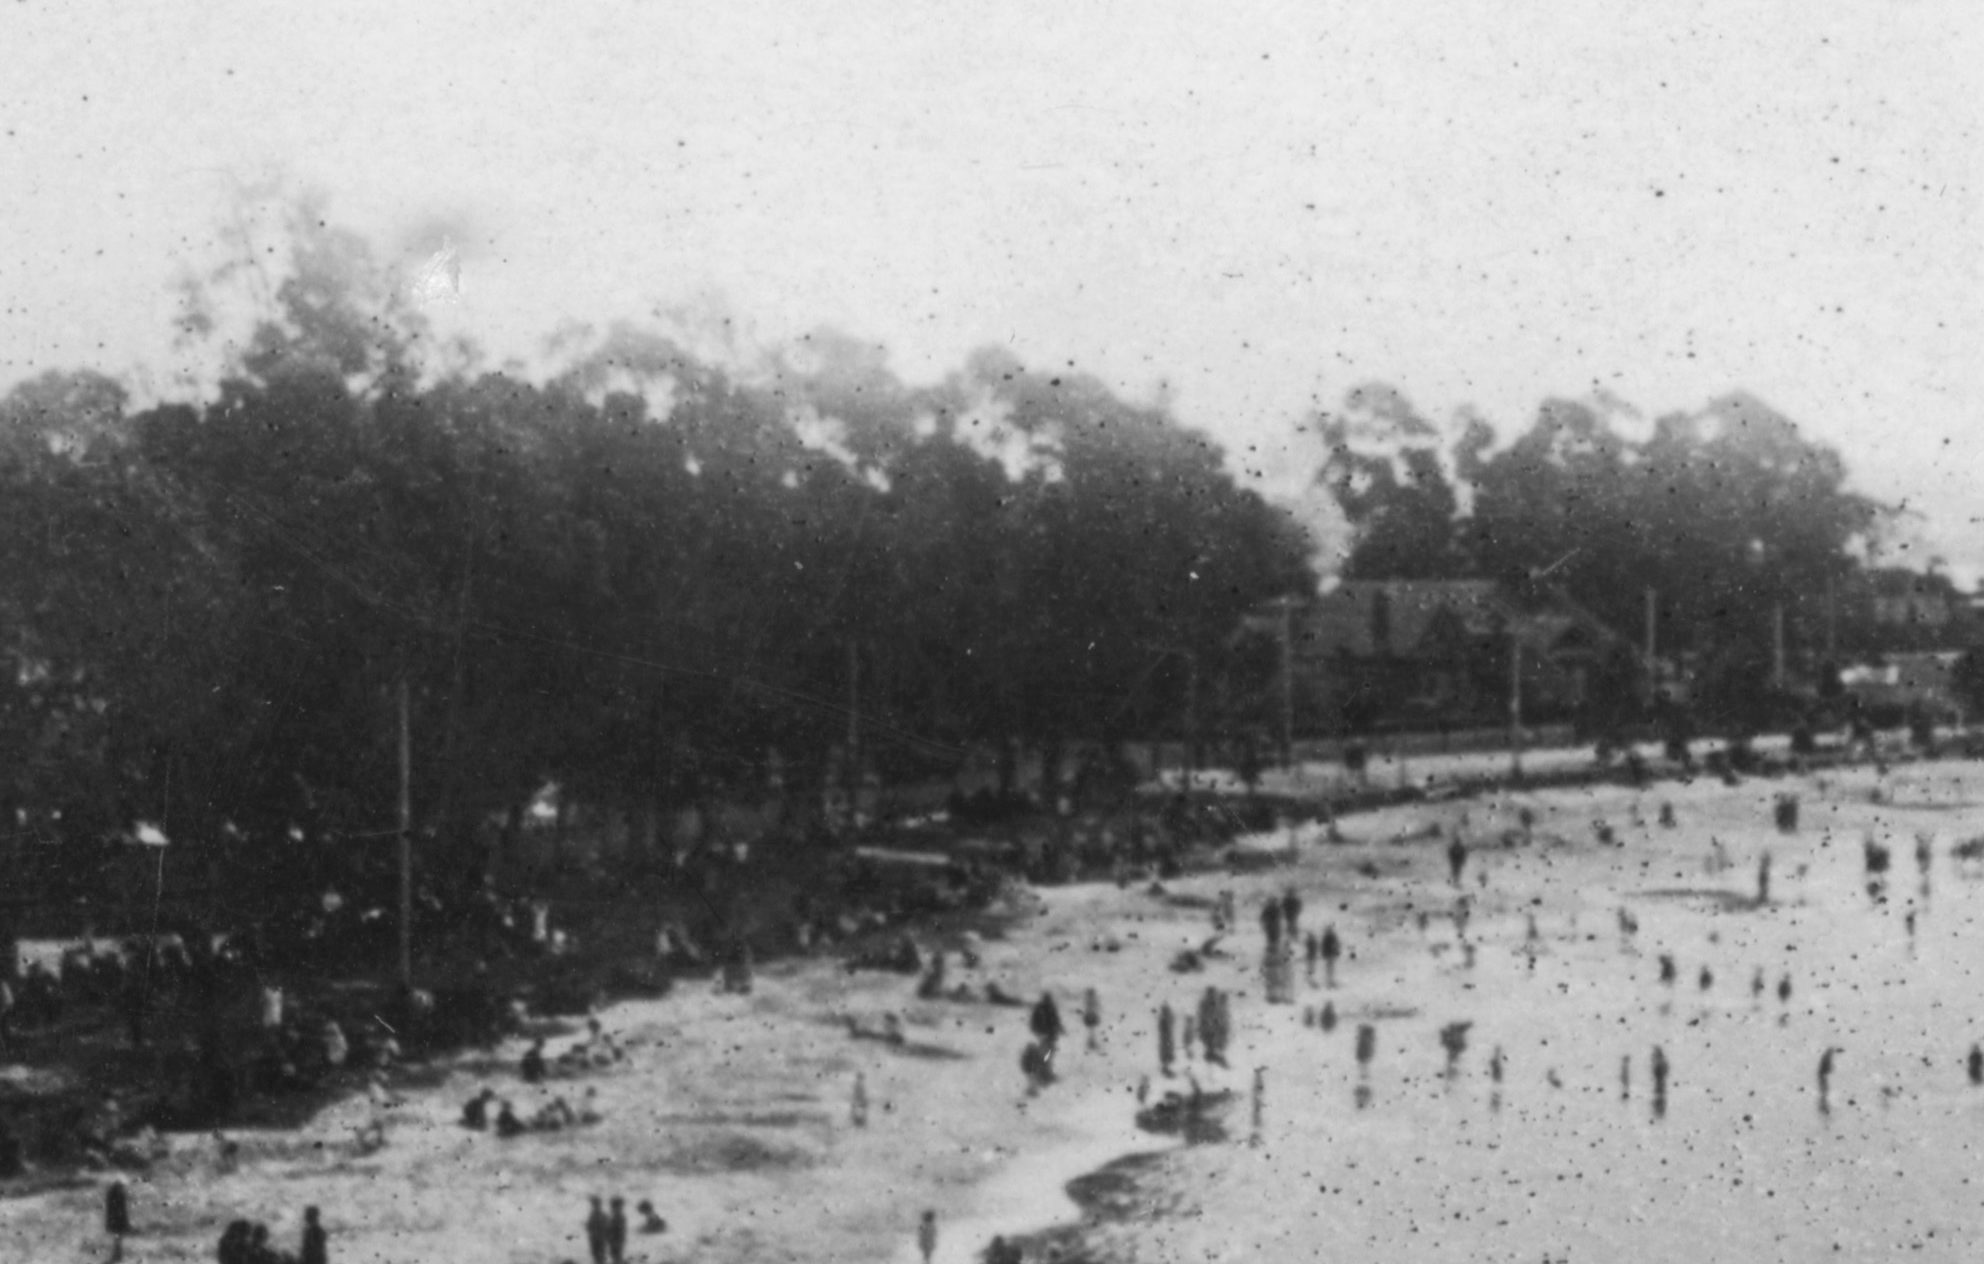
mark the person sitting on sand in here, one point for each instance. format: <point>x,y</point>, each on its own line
<point>507,1123</point>
<point>650,1222</point>
<point>1001,1251</point>
<point>476,1113</point>
<point>234,1241</point>
<point>370,1137</point>
<point>532,1065</point>
<point>560,1112</point>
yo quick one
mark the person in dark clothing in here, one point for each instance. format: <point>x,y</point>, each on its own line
<point>1331,948</point>
<point>1046,1022</point>
<point>650,1222</point>
<point>1825,1081</point>
<point>1271,922</point>
<point>1291,913</point>
<point>476,1113</point>
<point>1167,1033</point>
<point>1975,1065</point>
<point>507,1123</point>
<point>1001,1251</point>
<point>532,1065</point>
<point>117,1213</point>
<point>1310,951</point>
<point>1456,857</point>
<point>1659,1082</point>
<point>316,1245</point>
<point>616,1232</point>
<point>235,1243</point>
<point>597,1227</point>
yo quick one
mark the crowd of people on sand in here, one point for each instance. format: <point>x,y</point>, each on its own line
<point>487,1112</point>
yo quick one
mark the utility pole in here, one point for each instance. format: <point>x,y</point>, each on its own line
<point>1515,704</point>
<point>1288,683</point>
<point>853,727</point>
<point>1832,622</point>
<point>406,834</point>
<point>1191,717</point>
<point>1777,647</point>
<point>1652,647</point>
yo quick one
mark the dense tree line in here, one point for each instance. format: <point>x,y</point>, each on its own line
<point>1726,516</point>
<point>649,576</point>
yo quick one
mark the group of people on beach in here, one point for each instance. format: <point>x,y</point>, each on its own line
<point>246,1242</point>
<point>606,1228</point>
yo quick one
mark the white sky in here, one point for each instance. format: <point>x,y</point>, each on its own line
<point>1259,205</point>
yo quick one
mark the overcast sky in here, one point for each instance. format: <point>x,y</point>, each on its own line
<point>1255,205</point>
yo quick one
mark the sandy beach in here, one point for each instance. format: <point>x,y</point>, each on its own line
<point>732,1113</point>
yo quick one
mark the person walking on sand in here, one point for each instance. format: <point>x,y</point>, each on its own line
<point>858,1105</point>
<point>1167,1034</point>
<point>1092,1018</point>
<point>532,1065</point>
<point>926,1235</point>
<point>596,1229</point>
<point>1659,1082</point>
<point>1271,923</point>
<point>1974,1064</point>
<point>1332,949</point>
<point>1212,1035</point>
<point>1258,1102</point>
<point>1825,1080</point>
<point>316,1244</point>
<point>616,1232</point>
<point>1311,950</point>
<point>1456,857</point>
<point>1291,913</point>
<point>116,1217</point>
<point>1046,1023</point>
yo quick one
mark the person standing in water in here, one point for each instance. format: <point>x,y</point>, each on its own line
<point>1659,1082</point>
<point>926,1235</point>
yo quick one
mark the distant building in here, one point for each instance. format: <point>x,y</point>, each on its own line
<point>1435,653</point>
<point>1912,599</point>
<point>1908,681</point>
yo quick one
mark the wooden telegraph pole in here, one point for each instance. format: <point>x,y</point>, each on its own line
<point>406,835</point>
<point>1288,683</point>
<point>1515,704</point>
